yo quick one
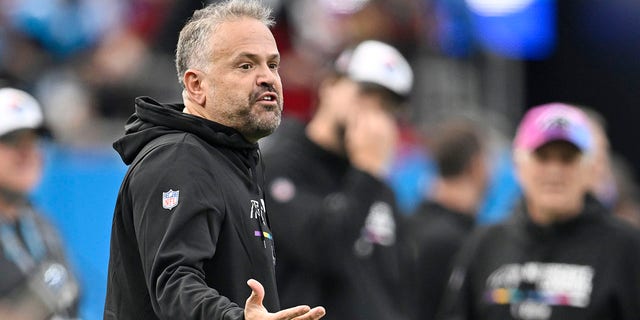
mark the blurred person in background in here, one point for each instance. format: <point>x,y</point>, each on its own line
<point>603,184</point>
<point>36,281</point>
<point>191,237</point>
<point>85,60</point>
<point>613,181</point>
<point>627,205</point>
<point>333,213</point>
<point>437,229</point>
<point>561,254</point>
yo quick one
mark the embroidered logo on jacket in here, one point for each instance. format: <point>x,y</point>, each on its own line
<point>170,199</point>
<point>257,211</point>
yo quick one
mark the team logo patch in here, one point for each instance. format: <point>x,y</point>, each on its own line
<point>170,199</point>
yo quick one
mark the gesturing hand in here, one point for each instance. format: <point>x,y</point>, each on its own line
<point>254,310</point>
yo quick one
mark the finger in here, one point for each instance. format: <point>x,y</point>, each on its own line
<point>257,292</point>
<point>313,314</point>
<point>291,313</point>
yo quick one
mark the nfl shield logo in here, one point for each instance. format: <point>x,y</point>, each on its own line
<point>170,199</point>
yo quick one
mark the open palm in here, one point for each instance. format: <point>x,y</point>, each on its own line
<point>254,310</point>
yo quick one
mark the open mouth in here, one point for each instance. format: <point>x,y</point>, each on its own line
<point>268,97</point>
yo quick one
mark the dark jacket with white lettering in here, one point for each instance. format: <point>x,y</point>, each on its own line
<point>189,227</point>
<point>586,268</point>
<point>335,230</point>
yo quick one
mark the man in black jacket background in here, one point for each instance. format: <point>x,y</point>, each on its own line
<point>333,214</point>
<point>438,228</point>
<point>561,255</point>
<point>191,238</point>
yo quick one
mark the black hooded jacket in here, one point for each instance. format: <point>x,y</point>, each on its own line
<point>586,268</point>
<point>190,226</point>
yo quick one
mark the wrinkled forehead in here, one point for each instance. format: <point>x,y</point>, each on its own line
<point>245,35</point>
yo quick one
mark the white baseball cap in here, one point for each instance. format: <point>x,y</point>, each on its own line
<point>19,110</point>
<point>376,62</point>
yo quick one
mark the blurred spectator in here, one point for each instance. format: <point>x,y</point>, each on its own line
<point>124,63</point>
<point>603,185</point>
<point>37,35</point>
<point>438,228</point>
<point>627,205</point>
<point>36,282</point>
<point>85,61</point>
<point>318,30</point>
<point>560,255</point>
<point>333,212</point>
<point>612,181</point>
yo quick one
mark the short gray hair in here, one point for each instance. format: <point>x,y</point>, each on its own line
<point>194,48</point>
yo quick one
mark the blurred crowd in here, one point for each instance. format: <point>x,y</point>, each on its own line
<point>86,60</point>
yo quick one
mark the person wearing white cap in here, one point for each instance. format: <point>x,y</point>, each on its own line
<point>36,282</point>
<point>333,212</point>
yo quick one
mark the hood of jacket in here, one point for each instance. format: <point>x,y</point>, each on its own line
<point>153,119</point>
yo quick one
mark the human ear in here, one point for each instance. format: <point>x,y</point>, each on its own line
<point>194,86</point>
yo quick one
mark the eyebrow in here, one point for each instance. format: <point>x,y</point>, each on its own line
<point>253,56</point>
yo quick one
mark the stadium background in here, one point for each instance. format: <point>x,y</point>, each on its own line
<point>486,59</point>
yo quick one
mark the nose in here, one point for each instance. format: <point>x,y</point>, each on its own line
<point>267,76</point>
<point>555,166</point>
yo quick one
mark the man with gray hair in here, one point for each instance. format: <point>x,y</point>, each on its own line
<point>191,238</point>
